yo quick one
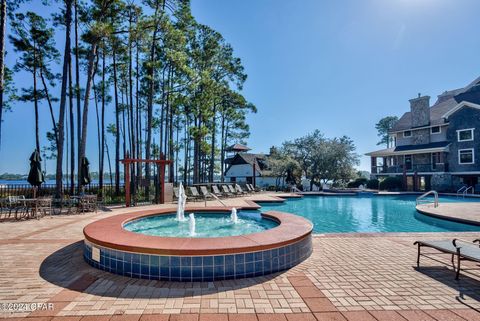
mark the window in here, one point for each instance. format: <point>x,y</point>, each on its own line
<point>407,133</point>
<point>408,162</point>
<point>465,135</point>
<point>435,159</point>
<point>436,130</point>
<point>466,156</point>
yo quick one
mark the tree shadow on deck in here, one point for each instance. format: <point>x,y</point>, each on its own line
<point>467,286</point>
<point>66,268</point>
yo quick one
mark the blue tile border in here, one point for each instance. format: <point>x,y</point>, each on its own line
<point>199,268</point>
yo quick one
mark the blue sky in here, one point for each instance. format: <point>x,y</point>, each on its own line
<point>338,66</point>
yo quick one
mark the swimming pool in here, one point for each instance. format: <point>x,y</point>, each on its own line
<point>367,214</point>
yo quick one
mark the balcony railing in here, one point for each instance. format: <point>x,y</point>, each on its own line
<point>398,169</point>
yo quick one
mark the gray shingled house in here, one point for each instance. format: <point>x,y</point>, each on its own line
<point>435,147</point>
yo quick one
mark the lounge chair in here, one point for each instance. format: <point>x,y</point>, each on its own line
<point>176,194</point>
<point>239,189</point>
<point>194,193</point>
<point>253,189</point>
<point>463,250</point>
<point>226,191</point>
<point>233,190</point>
<point>216,191</point>
<point>205,193</point>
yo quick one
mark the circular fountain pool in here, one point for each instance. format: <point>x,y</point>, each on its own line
<point>273,242</point>
<point>206,225</point>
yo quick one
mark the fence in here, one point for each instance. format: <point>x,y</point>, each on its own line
<point>106,194</point>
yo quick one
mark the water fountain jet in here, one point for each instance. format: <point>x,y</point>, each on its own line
<point>182,200</point>
<point>233,216</point>
<point>191,224</point>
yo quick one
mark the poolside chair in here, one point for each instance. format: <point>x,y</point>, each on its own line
<point>227,191</point>
<point>254,190</point>
<point>233,190</point>
<point>239,189</point>
<point>205,193</point>
<point>216,191</point>
<point>175,194</point>
<point>194,193</point>
<point>462,250</point>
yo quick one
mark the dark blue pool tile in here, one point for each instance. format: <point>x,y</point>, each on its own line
<point>136,258</point>
<point>239,258</point>
<point>219,271</point>
<point>258,256</point>
<point>154,270</point>
<point>249,257</point>
<point>229,270</point>
<point>208,261</point>
<point>197,261</point>
<point>186,273</point>
<point>135,268</point>
<point>208,272</point>
<point>266,266</point>
<point>128,257</point>
<point>219,260</point>
<point>175,272</point>
<point>164,261</point>
<point>145,269</point>
<point>229,259</point>
<point>174,261</point>
<point>197,272</point>
<point>258,266</point>
<point>249,267</point>
<point>154,261</point>
<point>186,261</point>
<point>145,259</point>
<point>239,269</point>
<point>164,272</point>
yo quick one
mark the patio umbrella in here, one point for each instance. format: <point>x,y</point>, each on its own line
<point>85,172</point>
<point>35,176</point>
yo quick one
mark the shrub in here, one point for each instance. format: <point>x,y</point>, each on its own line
<point>372,184</point>
<point>390,184</point>
<point>356,183</point>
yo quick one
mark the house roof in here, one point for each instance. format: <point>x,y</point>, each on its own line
<point>445,102</point>
<point>405,148</point>
<point>248,158</point>
<point>237,148</point>
<point>410,149</point>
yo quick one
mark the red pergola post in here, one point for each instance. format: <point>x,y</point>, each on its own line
<point>127,183</point>
<point>162,183</point>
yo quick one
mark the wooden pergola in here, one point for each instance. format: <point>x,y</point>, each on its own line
<point>161,163</point>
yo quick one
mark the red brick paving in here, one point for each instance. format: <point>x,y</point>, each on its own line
<point>184,317</point>
<point>330,316</point>
<point>271,317</point>
<point>213,317</point>
<point>416,315</point>
<point>445,315</point>
<point>242,317</point>
<point>320,305</point>
<point>300,317</point>
<point>387,316</point>
<point>470,315</point>
<point>358,316</point>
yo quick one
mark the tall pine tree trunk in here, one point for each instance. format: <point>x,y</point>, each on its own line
<point>63,101</point>
<point>117,125</point>
<point>90,74</point>
<point>3,26</point>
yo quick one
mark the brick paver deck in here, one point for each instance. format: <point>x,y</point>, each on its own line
<point>348,277</point>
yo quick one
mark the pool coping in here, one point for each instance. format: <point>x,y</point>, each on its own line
<point>109,232</point>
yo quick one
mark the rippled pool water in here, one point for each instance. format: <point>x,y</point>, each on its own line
<point>207,225</point>
<point>344,214</point>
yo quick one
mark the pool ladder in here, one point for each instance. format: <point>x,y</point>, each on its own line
<point>423,200</point>
<point>464,191</point>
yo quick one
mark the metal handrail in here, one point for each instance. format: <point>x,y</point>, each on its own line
<point>435,199</point>
<point>461,190</point>
<point>465,192</point>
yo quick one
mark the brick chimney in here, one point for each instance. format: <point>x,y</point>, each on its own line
<point>420,108</point>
